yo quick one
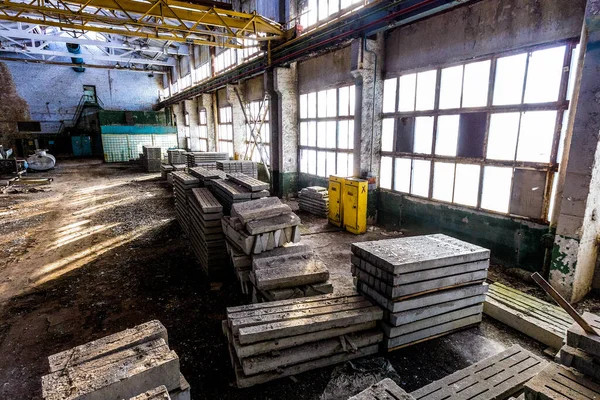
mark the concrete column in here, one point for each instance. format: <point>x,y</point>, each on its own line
<point>578,230</point>
<point>205,100</point>
<point>191,106</point>
<point>239,121</point>
<point>181,128</point>
<point>282,86</point>
<point>366,68</point>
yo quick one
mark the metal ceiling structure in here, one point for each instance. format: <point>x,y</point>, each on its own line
<point>124,33</point>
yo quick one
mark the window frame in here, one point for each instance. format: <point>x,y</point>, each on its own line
<point>550,167</point>
<point>222,125</point>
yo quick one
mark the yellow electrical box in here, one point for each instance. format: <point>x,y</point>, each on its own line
<point>336,205</point>
<point>355,205</point>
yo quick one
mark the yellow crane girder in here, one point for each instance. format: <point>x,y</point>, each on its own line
<point>159,19</point>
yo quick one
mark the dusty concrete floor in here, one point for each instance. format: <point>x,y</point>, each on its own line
<point>101,252</point>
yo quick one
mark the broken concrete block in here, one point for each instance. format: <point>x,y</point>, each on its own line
<point>578,338</point>
<point>159,393</point>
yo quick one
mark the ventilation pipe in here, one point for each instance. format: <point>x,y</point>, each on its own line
<point>75,49</point>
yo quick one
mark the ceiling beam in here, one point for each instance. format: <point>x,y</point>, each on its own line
<point>67,64</point>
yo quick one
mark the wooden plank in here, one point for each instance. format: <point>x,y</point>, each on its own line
<point>243,351</point>
<point>300,326</point>
<point>556,382</point>
<point>494,378</point>
<point>267,319</point>
<point>309,351</point>
<point>386,389</point>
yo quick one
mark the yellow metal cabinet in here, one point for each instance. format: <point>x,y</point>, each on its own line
<point>336,205</point>
<point>355,205</point>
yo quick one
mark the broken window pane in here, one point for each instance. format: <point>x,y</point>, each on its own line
<point>502,137</point>
<point>322,104</point>
<point>508,86</point>
<point>321,133</point>
<point>406,92</point>
<point>385,173</point>
<point>476,84</point>
<point>389,95</point>
<point>423,135</point>
<point>536,136</point>
<point>426,90</point>
<point>330,163</point>
<point>312,105</point>
<point>312,133</point>
<point>466,185</point>
<point>303,134</point>
<point>342,164</point>
<point>528,193</point>
<point>331,134</point>
<point>447,135</point>
<point>471,134</point>
<point>443,181</point>
<point>344,101</point>
<point>321,162</point>
<point>496,188</point>
<point>420,178</point>
<point>331,102</point>
<point>405,134</point>
<point>387,134</point>
<point>451,87</point>
<point>544,75</point>
<point>402,174</point>
<point>343,134</point>
<point>303,106</point>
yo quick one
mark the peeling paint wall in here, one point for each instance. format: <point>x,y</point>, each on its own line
<point>325,71</point>
<point>13,107</point>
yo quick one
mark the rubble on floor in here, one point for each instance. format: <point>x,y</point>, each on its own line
<point>272,340</point>
<point>119,366</point>
<point>429,285</point>
<point>315,200</point>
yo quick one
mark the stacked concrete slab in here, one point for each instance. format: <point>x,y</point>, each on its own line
<point>205,159</point>
<point>315,200</point>
<point>151,158</point>
<point>229,193</point>
<point>183,183</point>
<point>207,176</point>
<point>159,393</point>
<point>249,168</point>
<point>429,285</point>
<point>119,366</point>
<point>176,156</point>
<point>273,340</point>
<point>206,234</point>
<point>559,382</point>
<point>288,272</point>
<point>582,349</point>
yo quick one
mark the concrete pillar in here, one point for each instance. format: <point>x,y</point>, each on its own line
<point>282,86</point>
<point>191,107</point>
<point>181,128</point>
<point>366,69</point>
<point>578,230</point>
<point>239,121</point>
<point>205,100</point>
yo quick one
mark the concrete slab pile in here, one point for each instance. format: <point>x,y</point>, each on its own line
<point>494,378</point>
<point>315,200</point>
<point>558,382</point>
<point>183,183</point>
<point>273,340</point>
<point>207,176</point>
<point>151,158</point>
<point>228,192</point>
<point>206,234</point>
<point>249,168</point>
<point>119,366</point>
<point>582,349</point>
<point>176,156</point>
<point>205,159</point>
<point>287,273</point>
<point>428,285</point>
<point>165,169</point>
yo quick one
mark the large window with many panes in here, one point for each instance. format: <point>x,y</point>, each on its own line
<point>258,126</point>
<point>327,132</point>
<point>225,130</point>
<point>484,133</point>
<point>320,11</point>
<point>202,129</point>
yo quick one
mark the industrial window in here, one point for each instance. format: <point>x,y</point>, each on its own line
<point>483,134</point>
<point>317,11</point>
<point>203,129</point>
<point>327,132</point>
<point>258,118</point>
<point>225,60</point>
<point>225,130</point>
<point>203,72</point>
<point>250,50</point>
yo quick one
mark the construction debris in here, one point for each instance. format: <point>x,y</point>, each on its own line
<point>272,340</point>
<point>429,285</point>
<point>119,366</point>
<point>315,200</point>
<point>536,318</point>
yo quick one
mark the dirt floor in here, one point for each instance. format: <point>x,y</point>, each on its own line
<point>101,251</point>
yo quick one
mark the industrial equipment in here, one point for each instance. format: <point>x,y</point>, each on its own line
<point>41,161</point>
<point>336,206</point>
<point>355,205</point>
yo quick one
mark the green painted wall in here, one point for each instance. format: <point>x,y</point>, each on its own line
<point>108,117</point>
<point>305,180</point>
<point>514,242</point>
<point>138,129</point>
<point>288,182</point>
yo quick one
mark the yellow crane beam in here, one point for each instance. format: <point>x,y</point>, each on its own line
<point>158,19</point>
